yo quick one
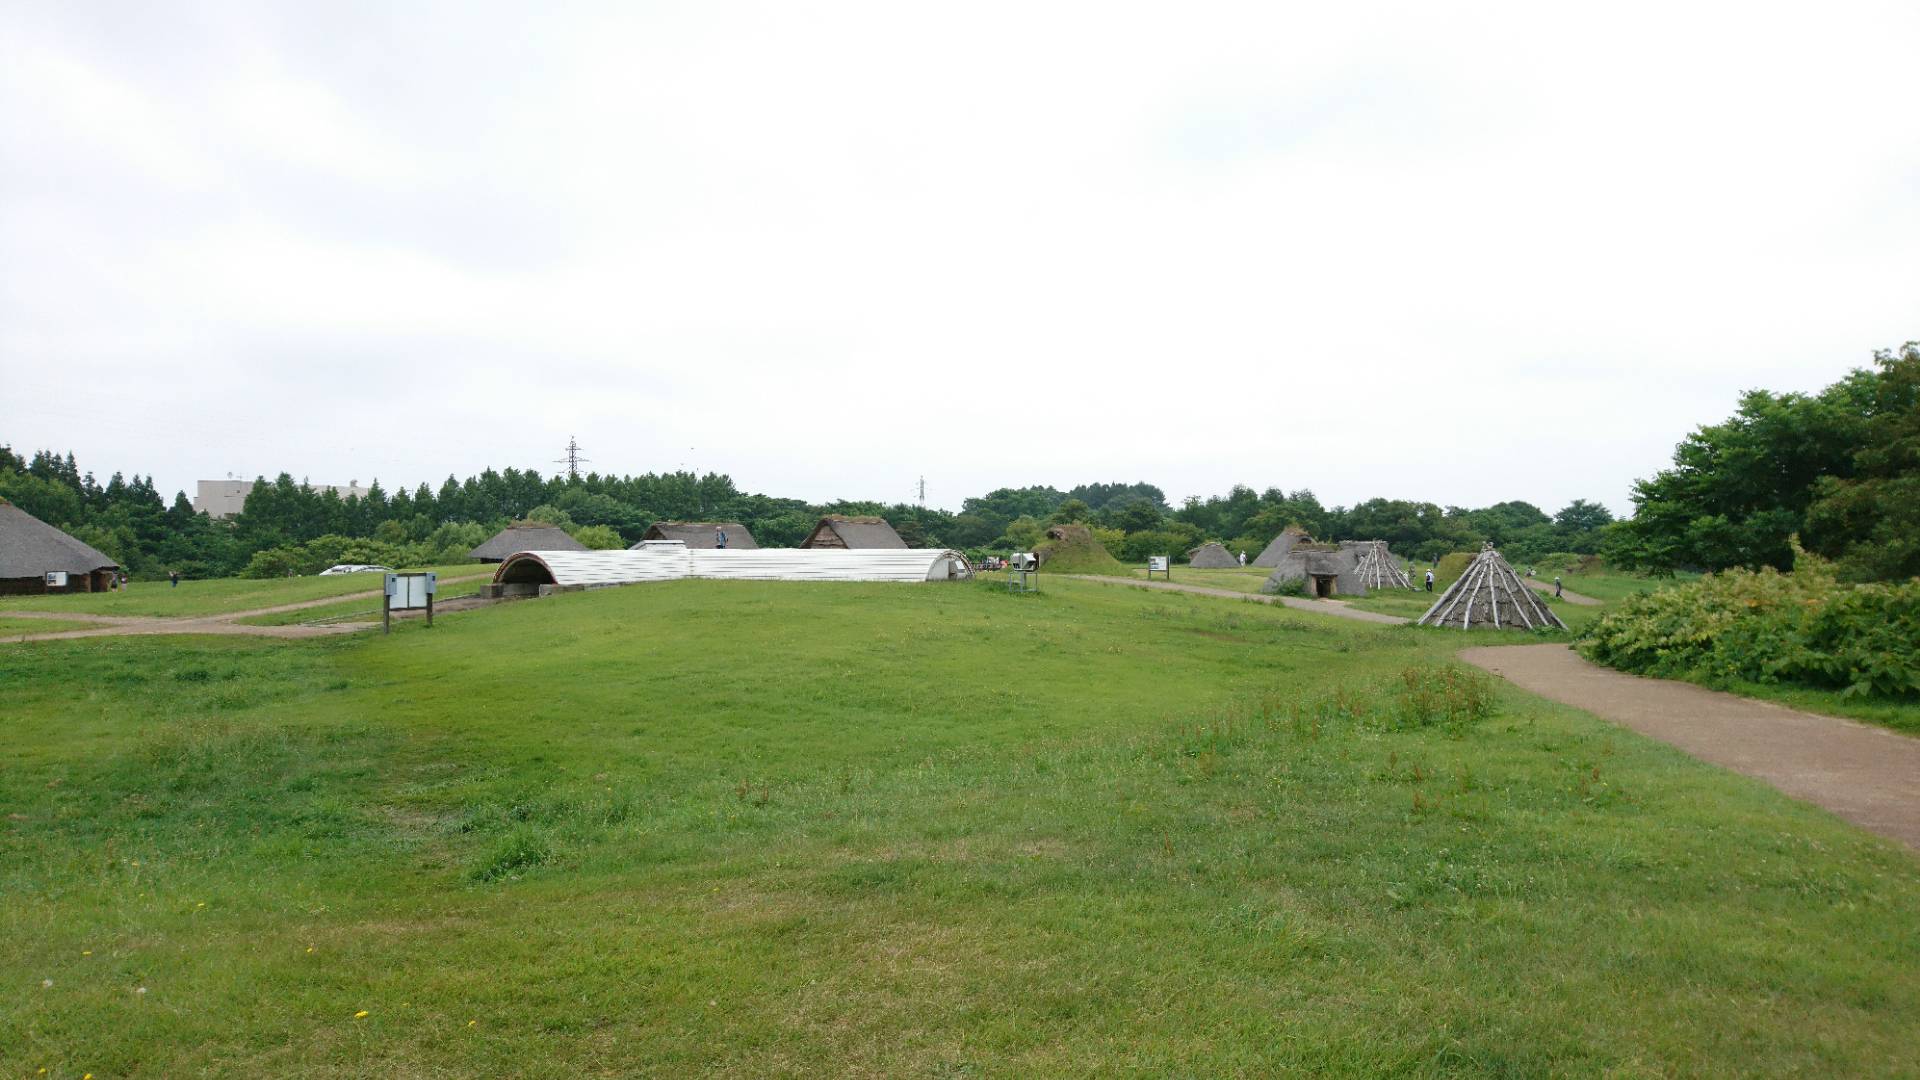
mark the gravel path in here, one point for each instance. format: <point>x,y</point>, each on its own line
<point>1867,775</point>
<point>1322,607</point>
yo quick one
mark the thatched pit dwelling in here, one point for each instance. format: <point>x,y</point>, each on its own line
<point>525,536</point>
<point>701,534</point>
<point>838,531</point>
<point>1212,556</point>
<point>36,558</point>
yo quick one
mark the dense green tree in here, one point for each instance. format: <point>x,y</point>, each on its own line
<point>1869,522</point>
<point>1739,490</point>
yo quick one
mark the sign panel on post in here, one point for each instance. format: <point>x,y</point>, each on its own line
<point>407,591</point>
<point>1160,564</point>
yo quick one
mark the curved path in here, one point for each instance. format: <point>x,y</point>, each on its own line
<point>226,622</point>
<point>1323,607</point>
<point>1867,775</point>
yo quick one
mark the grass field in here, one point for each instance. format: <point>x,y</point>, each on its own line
<point>366,608</point>
<point>214,597</point>
<point>11,627</point>
<point>767,829</point>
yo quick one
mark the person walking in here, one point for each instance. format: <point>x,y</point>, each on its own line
<point>1556,585</point>
<point>1243,558</point>
<point>173,578</point>
<point>1429,579</point>
<point>719,538</point>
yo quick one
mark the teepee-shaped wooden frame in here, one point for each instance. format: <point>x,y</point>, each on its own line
<point>1377,568</point>
<point>1491,596</point>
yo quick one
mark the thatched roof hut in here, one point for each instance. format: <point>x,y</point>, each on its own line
<point>31,549</point>
<point>701,534</point>
<point>525,536</point>
<point>1276,550</point>
<point>838,531</point>
<point>1071,534</point>
<point>1490,596</point>
<point>1211,556</point>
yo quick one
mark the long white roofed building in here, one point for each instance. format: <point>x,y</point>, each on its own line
<point>529,573</point>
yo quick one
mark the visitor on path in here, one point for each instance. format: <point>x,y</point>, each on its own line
<point>1243,558</point>
<point>173,578</point>
<point>1556,585</point>
<point>1429,579</point>
<point>719,538</point>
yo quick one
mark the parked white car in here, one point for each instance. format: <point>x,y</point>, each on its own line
<point>356,568</point>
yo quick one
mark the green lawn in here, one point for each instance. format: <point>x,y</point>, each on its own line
<point>214,597</point>
<point>10,627</point>
<point>365,607</point>
<point>768,829</point>
<point>1246,580</point>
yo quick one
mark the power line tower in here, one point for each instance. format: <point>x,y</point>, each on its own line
<point>573,459</point>
<point>923,493</point>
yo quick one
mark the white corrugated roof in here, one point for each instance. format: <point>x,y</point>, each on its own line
<point>670,560</point>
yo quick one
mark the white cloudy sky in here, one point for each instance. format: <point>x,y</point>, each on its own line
<point>1453,252</point>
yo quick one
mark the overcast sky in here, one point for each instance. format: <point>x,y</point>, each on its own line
<point>1461,253</point>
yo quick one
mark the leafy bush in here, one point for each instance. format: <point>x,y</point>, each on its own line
<point>1801,628</point>
<point>1285,587</point>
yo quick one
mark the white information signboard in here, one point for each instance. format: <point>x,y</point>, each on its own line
<point>408,591</point>
<point>1160,564</point>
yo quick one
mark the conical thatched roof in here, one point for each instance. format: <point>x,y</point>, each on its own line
<point>1378,569</point>
<point>30,547</point>
<point>1211,556</point>
<point>1276,551</point>
<point>525,536</point>
<point>1491,596</point>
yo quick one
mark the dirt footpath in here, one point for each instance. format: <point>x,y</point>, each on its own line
<point>1323,607</point>
<point>1867,775</point>
<point>226,622</point>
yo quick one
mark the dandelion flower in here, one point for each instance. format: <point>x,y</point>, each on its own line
<point>309,948</point>
<point>201,904</point>
<point>471,1023</point>
<point>361,1015</point>
<point>86,952</point>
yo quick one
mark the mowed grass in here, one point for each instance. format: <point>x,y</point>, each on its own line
<point>12,626</point>
<point>768,829</point>
<point>217,596</point>
<point>367,608</point>
<point>1240,580</point>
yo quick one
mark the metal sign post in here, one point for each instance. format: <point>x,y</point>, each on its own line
<point>1022,570</point>
<point>1160,564</point>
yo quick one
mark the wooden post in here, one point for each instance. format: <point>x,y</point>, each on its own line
<point>429,611</point>
<point>386,613</point>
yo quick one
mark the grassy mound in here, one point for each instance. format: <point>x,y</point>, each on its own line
<point>1077,553</point>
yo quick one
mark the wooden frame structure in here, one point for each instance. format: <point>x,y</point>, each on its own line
<point>1490,595</point>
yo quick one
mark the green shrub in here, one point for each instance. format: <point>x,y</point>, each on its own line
<point>1803,628</point>
<point>1285,587</point>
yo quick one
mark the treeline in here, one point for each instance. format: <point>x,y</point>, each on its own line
<point>1840,469</point>
<point>289,527</point>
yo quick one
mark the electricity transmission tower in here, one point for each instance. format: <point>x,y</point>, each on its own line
<point>573,459</point>
<point>923,493</point>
